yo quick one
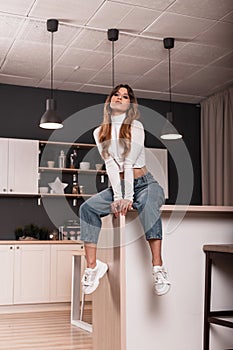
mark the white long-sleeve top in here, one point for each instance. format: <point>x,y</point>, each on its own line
<point>116,163</point>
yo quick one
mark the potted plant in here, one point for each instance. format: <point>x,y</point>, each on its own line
<point>31,231</point>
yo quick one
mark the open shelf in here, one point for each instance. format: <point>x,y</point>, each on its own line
<point>71,170</point>
<point>61,143</point>
<point>71,195</point>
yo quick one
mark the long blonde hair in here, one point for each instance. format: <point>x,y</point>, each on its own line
<point>125,131</point>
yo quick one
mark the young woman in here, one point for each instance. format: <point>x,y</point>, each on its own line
<point>120,141</point>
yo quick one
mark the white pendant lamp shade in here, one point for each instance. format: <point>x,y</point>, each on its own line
<point>169,132</point>
<point>50,119</point>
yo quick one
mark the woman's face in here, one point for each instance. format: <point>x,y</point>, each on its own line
<point>120,101</point>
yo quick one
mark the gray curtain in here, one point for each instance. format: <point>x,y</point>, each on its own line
<point>217,149</point>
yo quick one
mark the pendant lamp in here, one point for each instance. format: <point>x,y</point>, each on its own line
<point>169,132</point>
<point>113,35</point>
<point>50,119</point>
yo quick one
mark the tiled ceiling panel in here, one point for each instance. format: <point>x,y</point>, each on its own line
<point>213,77</point>
<point>88,39</point>
<point>5,44</point>
<point>21,7</point>
<point>228,18</point>
<point>74,57</point>
<point>199,54</point>
<point>110,15</point>
<point>60,73</point>
<point>220,34</point>
<point>146,48</point>
<point>137,19</point>
<point>105,78</point>
<point>185,27</point>
<point>10,26</point>
<point>106,46</point>
<point>36,31</point>
<point>202,59</point>
<point>123,64</point>
<point>18,68</point>
<point>97,61</point>
<point>69,11</point>
<point>39,52</point>
<point>160,5</point>
<point>82,75</point>
<point>202,8</point>
<point>18,80</point>
<point>225,61</point>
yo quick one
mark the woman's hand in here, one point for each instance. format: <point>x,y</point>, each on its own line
<point>121,206</point>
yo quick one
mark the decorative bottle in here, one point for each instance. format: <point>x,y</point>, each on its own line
<point>62,159</point>
<point>75,185</point>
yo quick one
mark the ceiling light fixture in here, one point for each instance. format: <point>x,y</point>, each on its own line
<point>169,132</point>
<point>50,119</point>
<point>113,35</point>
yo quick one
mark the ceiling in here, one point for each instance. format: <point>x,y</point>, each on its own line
<point>201,61</point>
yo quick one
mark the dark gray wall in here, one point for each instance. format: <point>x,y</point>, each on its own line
<point>21,109</point>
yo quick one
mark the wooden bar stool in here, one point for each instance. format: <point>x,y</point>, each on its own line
<point>214,317</point>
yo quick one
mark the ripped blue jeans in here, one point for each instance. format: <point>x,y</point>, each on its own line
<point>148,198</point>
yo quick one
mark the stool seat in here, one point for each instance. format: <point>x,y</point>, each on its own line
<point>218,248</point>
<point>214,317</point>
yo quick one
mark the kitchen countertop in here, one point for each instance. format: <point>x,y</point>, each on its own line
<point>165,209</point>
<point>14,242</point>
<point>197,208</point>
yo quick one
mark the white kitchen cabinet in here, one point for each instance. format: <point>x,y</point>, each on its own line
<point>35,273</point>
<point>24,273</point>
<point>6,274</point>
<point>61,267</point>
<point>18,166</point>
<point>31,273</point>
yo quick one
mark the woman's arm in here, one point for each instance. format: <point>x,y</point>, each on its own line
<point>137,146</point>
<point>112,169</point>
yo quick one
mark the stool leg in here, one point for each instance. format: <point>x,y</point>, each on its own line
<point>208,268</point>
<point>82,306</point>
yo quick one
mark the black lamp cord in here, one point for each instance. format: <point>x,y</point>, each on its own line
<point>169,77</point>
<point>51,70</point>
<point>113,72</point>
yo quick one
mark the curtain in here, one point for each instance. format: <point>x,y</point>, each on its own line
<point>217,149</point>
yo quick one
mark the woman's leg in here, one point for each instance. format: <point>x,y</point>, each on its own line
<point>155,246</point>
<point>91,212</point>
<point>90,253</point>
<point>149,197</point>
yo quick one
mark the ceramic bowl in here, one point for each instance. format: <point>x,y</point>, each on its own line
<point>84,165</point>
<point>43,189</point>
<point>50,163</point>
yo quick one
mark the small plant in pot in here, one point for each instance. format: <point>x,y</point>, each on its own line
<point>31,231</point>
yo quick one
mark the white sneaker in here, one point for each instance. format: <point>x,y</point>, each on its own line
<point>91,277</point>
<point>161,281</point>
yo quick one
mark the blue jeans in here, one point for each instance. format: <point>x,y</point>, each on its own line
<point>148,198</point>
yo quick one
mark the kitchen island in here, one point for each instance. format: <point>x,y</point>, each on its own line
<point>124,304</point>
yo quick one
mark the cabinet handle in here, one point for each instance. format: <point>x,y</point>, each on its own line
<point>11,190</point>
<point>4,189</point>
<point>11,247</point>
<point>17,247</point>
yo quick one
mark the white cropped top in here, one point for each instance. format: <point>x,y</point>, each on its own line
<point>116,163</point>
